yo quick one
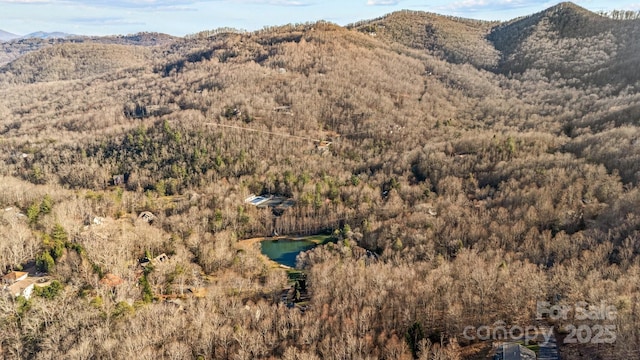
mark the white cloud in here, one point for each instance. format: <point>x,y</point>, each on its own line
<point>277,2</point>
<point>27,1</point>
<point>105,21</point>
<point>491,4</point>
<point>161,4</point>
<point>288,3</point>
<point>382,2</point>
<point>108,3</point>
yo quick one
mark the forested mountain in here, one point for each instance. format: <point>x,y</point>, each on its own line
<point>578,45</point>
<point>466,169</point>
<point>73,61</point>
<point>16,47</point>
<point>457,40</point>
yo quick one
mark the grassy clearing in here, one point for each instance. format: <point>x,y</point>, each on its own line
<point>319,239</point>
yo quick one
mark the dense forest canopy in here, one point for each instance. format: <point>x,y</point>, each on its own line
<point>466,170</point>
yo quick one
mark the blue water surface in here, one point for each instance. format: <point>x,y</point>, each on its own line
<point>285,251</point>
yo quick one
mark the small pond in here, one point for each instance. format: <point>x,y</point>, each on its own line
<point>285,251</point>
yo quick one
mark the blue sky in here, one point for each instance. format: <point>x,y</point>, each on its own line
<point>180,17</point>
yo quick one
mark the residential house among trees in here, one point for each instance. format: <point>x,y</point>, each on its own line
<point>18,283</point>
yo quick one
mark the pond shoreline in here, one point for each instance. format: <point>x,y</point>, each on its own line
<point>253,245</point>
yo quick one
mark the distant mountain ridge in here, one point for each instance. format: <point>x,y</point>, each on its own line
<point>17,47</point>
<point>6,36</point>
<point>47,35</point>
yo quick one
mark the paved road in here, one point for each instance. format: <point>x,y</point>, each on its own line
<point>549,350</point>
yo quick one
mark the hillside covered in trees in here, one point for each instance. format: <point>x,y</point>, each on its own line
<point>488,166</point>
